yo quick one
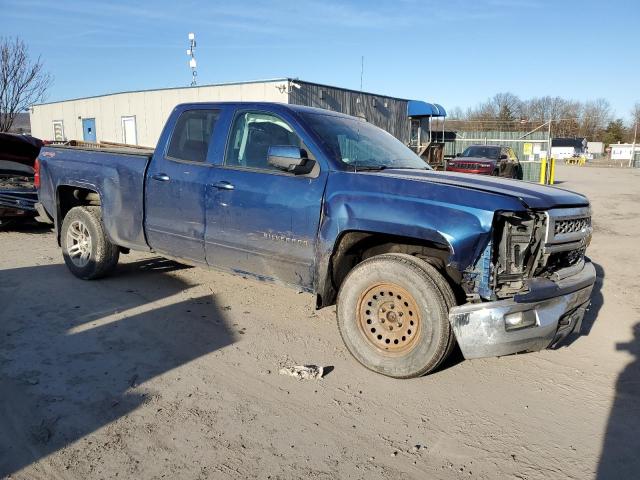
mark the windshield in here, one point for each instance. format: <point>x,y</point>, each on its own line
<point>362,145</point>
<point>482,152</point>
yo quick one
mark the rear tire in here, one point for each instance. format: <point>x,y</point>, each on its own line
<point>86,248</point>
<point>392,314</point>
<point>518,174</point>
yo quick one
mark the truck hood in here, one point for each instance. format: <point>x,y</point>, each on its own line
<point>532,195</point>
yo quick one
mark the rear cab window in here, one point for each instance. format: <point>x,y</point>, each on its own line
<point>192,134</point>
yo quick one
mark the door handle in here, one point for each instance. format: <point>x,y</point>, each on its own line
<point>161,177</point>
<point>223,185</point>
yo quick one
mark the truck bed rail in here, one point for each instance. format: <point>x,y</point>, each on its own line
<point>108,147</point>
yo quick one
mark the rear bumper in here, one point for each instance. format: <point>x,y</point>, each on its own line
<point>481,330</point>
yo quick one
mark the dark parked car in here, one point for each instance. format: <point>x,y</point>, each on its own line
<point>17,192</point>
<point>487,160</point>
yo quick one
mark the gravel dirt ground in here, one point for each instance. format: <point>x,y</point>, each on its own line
<point>167,371</point>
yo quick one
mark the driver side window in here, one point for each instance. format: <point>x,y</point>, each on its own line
<point>251,136</point>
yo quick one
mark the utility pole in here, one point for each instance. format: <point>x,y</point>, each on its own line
<point>549,142</point>
<point>633,145</point>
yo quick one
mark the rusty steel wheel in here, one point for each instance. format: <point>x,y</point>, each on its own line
<point>389,318</point>
<point>392,314</point>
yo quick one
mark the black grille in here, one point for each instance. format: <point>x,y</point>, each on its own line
<point>572,225</point>
<point>561,260</point>
<point>470,166</point>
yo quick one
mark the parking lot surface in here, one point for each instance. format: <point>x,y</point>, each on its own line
<point>169,371</point>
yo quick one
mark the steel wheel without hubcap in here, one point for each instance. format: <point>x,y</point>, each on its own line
<point>392,315</point>
<point>389,318</point>
<point>79,243</point>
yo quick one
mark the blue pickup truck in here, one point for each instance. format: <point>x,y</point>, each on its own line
<point>414,260</point>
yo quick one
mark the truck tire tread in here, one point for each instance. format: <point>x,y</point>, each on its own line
<point>105,254</point>
<point>407,366</point>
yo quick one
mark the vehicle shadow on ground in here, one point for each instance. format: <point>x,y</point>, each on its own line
<point>620,456</point>
<point>73,353</point>
<point>597,301</point>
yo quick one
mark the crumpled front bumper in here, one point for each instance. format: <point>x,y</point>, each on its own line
<point>557,306</point>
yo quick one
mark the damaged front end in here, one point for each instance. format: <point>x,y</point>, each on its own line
<point>525,246</point>
<point>531,285</point>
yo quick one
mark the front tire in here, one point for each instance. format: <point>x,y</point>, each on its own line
<point>392,314</point>
<point>86,248</point>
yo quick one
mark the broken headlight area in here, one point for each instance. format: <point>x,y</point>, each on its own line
<point>518,253</point>
<point>513,255</point>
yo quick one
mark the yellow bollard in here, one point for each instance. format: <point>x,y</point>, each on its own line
<point>552,170</point>
<point>543,171</point>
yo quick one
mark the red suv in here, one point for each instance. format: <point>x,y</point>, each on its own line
<point>493,160</point>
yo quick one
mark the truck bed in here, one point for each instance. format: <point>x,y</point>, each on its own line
<point>115,172</point>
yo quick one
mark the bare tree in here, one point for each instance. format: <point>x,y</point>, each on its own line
<point>456,113</point>
<point>570,118</point>
<point>498,112</point>
<point>595,117</point>
<point>23,81</point>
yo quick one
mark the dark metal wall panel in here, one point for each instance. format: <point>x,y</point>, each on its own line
<point>387,113</point>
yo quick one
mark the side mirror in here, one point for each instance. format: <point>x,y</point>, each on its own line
<point>458,154</point>
<point>503,157</point>
<point>290,159</point>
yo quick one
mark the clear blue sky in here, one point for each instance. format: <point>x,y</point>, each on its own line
<point>454,52</point>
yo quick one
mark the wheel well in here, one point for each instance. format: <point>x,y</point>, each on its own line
<point>68,197</point>
<point>354,247</point>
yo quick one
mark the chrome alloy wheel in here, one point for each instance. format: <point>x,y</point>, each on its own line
<point>78,243</point>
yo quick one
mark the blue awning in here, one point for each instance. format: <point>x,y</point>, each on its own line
<point>417,108</point>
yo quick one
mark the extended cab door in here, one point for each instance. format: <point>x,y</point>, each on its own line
<point>261,220</point>
<point>176,184</point>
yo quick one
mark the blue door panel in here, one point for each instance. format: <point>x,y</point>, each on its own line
<point>89,129</point>
<point>175,215</point>
<point>266,225</point>
<point>175,192</point>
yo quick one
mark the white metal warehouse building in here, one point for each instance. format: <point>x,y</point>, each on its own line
<point>137,117</point>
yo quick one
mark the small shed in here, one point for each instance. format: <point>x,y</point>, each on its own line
<point>562,148</point>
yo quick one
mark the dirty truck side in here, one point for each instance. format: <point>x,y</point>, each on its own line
<point>415,260</point>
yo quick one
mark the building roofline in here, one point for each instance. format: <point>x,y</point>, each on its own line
<point>268,80</point>
<point>297,80</point>
<point>223,84</point>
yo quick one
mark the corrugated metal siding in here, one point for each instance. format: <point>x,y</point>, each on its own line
<point>392,117</point>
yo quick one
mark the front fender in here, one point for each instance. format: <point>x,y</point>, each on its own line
<point>454,218</point>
